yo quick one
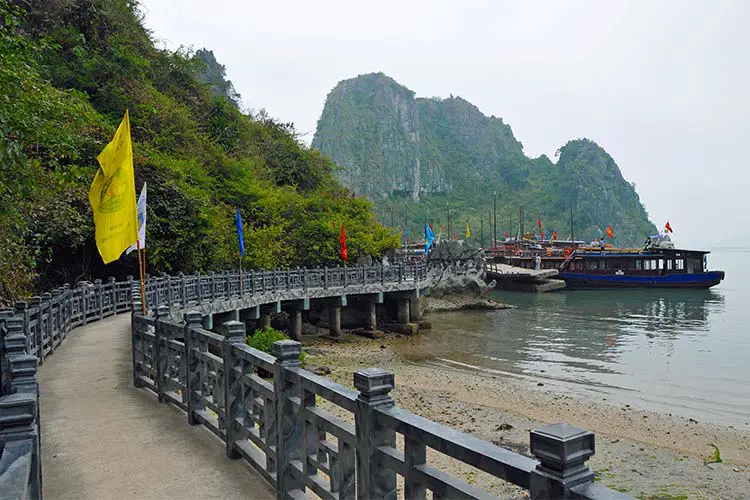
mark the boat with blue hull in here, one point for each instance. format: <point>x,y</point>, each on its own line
<point>657,265</point>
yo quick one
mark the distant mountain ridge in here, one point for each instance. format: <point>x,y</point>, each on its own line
<point>421,155</point>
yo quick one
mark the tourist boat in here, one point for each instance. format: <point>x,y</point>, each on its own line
<point>657,265</point>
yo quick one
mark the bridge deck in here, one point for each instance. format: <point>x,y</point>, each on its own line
<point>102,438</point>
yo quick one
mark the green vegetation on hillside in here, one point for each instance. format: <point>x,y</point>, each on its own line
<point>418,158</point>
<point>68,71</point>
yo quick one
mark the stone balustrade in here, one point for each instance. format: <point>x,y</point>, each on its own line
<point>265,408</point>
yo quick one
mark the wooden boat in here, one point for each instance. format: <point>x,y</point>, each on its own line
<point>657,265</point>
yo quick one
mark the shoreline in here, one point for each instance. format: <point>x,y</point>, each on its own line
<point>643,453</point>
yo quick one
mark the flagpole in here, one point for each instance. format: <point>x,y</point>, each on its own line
<point>242,284</point>
<point>140,272</point>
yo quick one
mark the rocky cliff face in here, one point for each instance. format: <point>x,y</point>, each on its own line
<point>431,153</point>
<point>389,142</point>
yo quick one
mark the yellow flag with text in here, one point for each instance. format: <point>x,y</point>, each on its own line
<point>468,231</point>
<point>112,196</point>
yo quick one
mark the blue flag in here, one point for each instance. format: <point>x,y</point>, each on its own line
<point>429,237</point>
<point>240,234</point>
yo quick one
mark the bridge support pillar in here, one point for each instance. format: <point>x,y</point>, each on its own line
<point>402,311</point>
<point>265,320</point>
<point>295,323</point>
<point>415,312</point>
<point>334,320</point>
<point>372,316</point>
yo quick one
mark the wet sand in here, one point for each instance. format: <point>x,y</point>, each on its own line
<point>645,454</point>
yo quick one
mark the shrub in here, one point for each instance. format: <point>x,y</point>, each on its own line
<point>263,339</point>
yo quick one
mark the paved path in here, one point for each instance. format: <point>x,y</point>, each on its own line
<point>104,439</point>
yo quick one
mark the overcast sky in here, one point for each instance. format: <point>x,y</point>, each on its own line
<point>661,85</point>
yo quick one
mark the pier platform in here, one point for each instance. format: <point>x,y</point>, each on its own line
<point>522,279</point>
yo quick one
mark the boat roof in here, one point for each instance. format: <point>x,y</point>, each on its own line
<point>630,252</point>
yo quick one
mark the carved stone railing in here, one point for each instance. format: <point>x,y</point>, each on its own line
<point>266,409</point>
<point>34,329</point>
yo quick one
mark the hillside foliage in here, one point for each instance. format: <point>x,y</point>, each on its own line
<point>419,158</point>
<point>68,71</point>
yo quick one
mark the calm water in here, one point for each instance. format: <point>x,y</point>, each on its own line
<point>681,351</point>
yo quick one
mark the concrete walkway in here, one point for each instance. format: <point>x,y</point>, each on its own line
<point>104,439</point>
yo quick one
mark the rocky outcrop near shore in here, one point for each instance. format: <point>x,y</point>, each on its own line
<point>457,279</point>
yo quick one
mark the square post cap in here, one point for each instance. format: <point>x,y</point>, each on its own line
<point>561,447</point>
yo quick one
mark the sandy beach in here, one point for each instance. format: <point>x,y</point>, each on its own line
<point>645,454</point>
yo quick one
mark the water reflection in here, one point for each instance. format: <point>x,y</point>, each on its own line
<point>668,347</point>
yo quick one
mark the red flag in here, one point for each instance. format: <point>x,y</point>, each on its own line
<point>507,234</point>
<point>539,223</point>
<point>667,227</point>
<point>609,232</point>
<point>430,225</point>
<point>342,241</point>
<point>554,235</point>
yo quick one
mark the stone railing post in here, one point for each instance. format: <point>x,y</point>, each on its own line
<point>199,281</point>
<point>67,307</point>
<point>183,291</point>
<point>562,451</point>
<point>159,355</point>
<point>112,287</point>
<point>234,333</point>
<point>22,370</point>
<point>23,313</point>
<point>325,277</point>
<point>373,481</point>
<point>99,301</point>
<point>193,320</point>
<point>84,302</point>
<point>16,341</point>
<point>227,285</point>
<point>20,414</point>
<point>252,282</point>
<point>136,338</point>
<point>288,425</point>
<point>304,279</point>
<point>46,309</point>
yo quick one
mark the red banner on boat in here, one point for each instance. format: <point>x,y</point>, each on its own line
<point>667,227</point>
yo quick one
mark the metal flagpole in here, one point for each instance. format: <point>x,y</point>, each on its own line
<point>140,272</point>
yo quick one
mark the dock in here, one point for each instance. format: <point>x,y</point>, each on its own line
<point>522,279</point>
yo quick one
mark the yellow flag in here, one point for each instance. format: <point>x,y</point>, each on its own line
<point>112,196</point>
<point>468,231</point>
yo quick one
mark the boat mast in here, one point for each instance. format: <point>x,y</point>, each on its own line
<point>572,236</point>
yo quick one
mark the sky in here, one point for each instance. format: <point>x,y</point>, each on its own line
<point>661,85</point>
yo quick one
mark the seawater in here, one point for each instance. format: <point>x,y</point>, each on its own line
<point>685,352</point>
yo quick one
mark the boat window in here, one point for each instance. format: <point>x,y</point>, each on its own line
<point>638,264</point>
<point>679,264</point>
<point>602,264</point>
<point>669,264</point>
<point>592,265</point>
<point>698,265</point>
<point>661,264</point>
